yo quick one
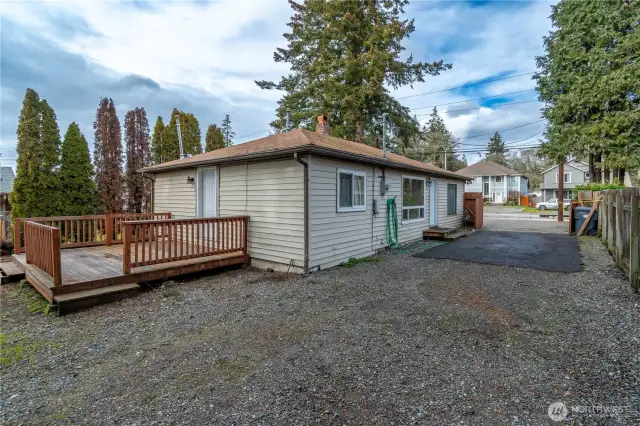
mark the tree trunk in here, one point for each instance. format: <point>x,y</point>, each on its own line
<point>592,166</point>
<point>561,190</point>
<point>360,130</point>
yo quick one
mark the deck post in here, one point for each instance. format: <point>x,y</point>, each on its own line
<point>16,236</point>
<point>245,249</point>
<point>55,259</point>
<point>126,248</point>
<point>108,229</point>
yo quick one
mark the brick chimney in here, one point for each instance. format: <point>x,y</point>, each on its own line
<point>323,125</point>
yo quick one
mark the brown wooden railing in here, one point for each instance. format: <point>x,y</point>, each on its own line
<point>150,242</point>
<point>42,249</point>
<point>83,231</point>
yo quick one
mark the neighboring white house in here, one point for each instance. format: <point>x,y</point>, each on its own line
<point>495,181</point>
<point>314,201</point>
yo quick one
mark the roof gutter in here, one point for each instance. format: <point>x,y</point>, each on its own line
<point>306,211</point>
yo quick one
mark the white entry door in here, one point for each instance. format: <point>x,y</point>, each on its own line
<point>207,195</point>
<point>433,203</point>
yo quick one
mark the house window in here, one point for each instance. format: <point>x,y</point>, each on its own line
<point>352,193</point>
<point>498,179</point>
<point>413,198</point>
<point>452,199</point>
<point>567,178</point>
<point>512,180</point>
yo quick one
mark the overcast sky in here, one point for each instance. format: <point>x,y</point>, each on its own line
<point>203,57</point>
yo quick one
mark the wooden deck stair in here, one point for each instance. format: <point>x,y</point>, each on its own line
<point>10,272</point>
<point>446,234</point>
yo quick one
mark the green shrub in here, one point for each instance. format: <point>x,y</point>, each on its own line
<point>598,186</point>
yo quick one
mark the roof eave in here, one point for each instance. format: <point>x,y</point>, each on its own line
<point>304,149</point>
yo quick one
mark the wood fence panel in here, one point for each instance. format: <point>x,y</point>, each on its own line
<point>621,228</point>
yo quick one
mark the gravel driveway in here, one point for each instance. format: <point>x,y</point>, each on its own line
<point>400,341</point>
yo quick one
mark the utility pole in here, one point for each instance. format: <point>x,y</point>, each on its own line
<point>179,135</point>
<point>561,190</point>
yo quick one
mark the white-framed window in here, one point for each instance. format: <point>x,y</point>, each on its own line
<point>498,179</point>
<point>414,198</point>
<point>352,191</point>
<point>512,180</point>
<point>567,177</point>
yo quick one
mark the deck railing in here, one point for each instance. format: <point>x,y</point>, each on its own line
<point>42,249</point>
<point>84,231</point>
<point>149,242</point>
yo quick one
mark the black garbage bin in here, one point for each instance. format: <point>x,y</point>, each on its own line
<point>580,215</point>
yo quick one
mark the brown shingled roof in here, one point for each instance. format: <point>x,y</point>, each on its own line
<point>302,141</point>
<point>488,168</point>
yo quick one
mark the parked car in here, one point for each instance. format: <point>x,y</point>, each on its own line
<point>553,204</point>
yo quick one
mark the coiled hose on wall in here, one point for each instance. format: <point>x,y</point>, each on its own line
<point>392,223</point>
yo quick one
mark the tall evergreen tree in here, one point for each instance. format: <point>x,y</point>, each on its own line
<point>344,57</point>
<point>191,141</point>
<point>136,135</point>
<point>227,131</point>
<point>588,81</point>
<point>157,147</point>
<point>24,198</point>
<point>37,190</point>
<point>496,150</point>
<point>434,142</point>
<point>214,139</point>
<point>107,155</point>
<point>76,175</point>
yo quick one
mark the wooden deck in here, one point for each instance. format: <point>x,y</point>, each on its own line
<point>97,272</point>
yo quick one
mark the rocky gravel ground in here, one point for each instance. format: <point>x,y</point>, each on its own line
<point>400,341</point>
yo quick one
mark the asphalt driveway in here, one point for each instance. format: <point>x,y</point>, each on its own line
<point>544,251</point>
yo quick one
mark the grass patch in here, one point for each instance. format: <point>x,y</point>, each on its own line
<point>15,348</point>
<point>32,299</point>
<point>232,369</point>
<point>355,261</point>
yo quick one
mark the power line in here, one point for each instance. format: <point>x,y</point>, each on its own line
<point>474,99</point>
<point>472,109</point>
<point>251,134</point>
<point>467,85</point>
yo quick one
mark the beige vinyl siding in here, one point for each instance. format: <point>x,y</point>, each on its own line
<point>173,194</point>
<point>444,220</point>
<point>271,193</point>
<point>337,236</point>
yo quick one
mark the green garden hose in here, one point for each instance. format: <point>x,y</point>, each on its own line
<point>392,223</point>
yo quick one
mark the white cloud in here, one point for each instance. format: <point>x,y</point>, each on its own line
<point>198,45</point>
<point>220,48</point>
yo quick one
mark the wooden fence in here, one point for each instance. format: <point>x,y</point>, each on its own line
<point>150,242</point>
<point>84,231</point>
<point>42,249</point>
<point>619,228</point>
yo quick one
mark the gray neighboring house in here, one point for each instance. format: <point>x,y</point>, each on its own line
<point>6,186</point>
<point>575,173</point>
<point>494,180</point>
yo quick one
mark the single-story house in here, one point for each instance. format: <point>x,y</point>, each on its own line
<point>575,173</point>
<point>313,200</point>
<point>495,181</point>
